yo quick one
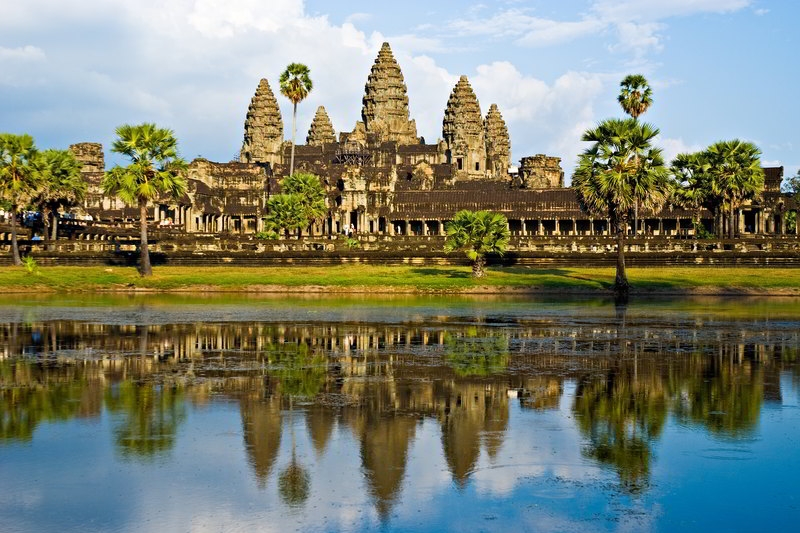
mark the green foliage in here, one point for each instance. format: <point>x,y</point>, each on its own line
<point>791,221</point>
<point>267,235</point>
<point>352,244</point>
<point>295,82</point>
<point>301,203</point>
<point>61,183</point>
<point>476,352</point>
<point>701,232</point>
<point>310,195</point>
<point>635,95</point>
<point>31,266</point>
<point>621,170</point>
<point>156,169</point>
<point>477,233</point>
<point>18,177</point>
<point>284,213</point>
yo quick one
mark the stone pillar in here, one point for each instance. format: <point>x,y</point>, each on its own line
<point>524,232</point>
<point>557,229</point>
<point>441,228</point>
<point>406,227</point>
<point>661,226</point>
<point>591,227</point>
<point>540,228</point>
<point>425,227</point>
<point>574,227</point>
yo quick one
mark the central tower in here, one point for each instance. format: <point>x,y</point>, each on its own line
<point>385,102</point>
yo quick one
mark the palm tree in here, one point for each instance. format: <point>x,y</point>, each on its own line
<point>737,176</point>
<point>295,85</point>
<point>61,185</point>
<point>692,185</point>
<point>477,233</point>
<point>155,170</point>
<point>18,178</point>
<point>310,196</point>
<point>635,95</point>
<point>621,169</point>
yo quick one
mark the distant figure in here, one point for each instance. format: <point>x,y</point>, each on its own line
<point>351,230</point>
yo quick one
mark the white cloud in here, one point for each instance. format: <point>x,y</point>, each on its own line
<point>23,53</point>
<point>673,147</point>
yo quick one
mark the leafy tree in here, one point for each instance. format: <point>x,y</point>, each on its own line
<point>620,170</point>
<point>61,185</point>
<point>477,233</point>
<point>310,195</point>
<point>155,170</point>
<point>295,85</point>
<point>635,95</point>
<point>18,178</point>
<point>736,175</point>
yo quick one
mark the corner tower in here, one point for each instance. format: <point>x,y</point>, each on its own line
<point>463,132</point>
<point>385,102</point>
<point>263,128</point>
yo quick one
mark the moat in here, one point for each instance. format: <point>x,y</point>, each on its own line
<point>237,413</point>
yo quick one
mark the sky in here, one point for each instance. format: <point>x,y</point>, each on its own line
<point>73,70</point>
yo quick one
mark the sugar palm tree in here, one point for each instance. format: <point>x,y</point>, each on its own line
<point>295,85</point>
<point>156,170</point>
<point>18,178</point>
<point>737,176</point>
<point>635,95</point>
<point>477,233</point>
<point>61,185</point>
<point>621,169</point>
<point>692,185</point>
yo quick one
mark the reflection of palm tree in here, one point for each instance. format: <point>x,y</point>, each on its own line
<point>726,399</point>
<point>261,423</point>
<point>294,482</point>
<point>151,416</point>
<point>621,416</point>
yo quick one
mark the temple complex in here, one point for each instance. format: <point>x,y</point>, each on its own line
<point>382,179</point>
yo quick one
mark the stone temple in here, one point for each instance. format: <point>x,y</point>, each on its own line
<point>383,179</point>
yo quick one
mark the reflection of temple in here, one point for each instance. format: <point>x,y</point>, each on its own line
<point>383,179</point>
<point>379,381</point>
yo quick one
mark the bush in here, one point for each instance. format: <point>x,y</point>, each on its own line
<point>31,266</point>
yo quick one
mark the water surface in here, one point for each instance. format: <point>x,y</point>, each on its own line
<point>233,413</point>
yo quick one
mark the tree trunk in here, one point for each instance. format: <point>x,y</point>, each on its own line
<point>294,131</point>
<point>14,245</point>
<point>54,236</point>
<point>144,268</point>
<point>621,285</point>
<point>477,267</point>
<point>731,223</point>
<point>46,222</point>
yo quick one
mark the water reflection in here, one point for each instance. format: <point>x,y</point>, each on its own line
<point>380,382</point>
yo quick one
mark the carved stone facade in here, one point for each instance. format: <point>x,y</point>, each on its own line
<point>498,144</point>
<point>541,172</point>
<point>263,128</point>
<point>382,180</point>
<point>321,130</point>
<point>385,102</point>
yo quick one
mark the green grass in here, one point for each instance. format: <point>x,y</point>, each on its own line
<point>397,278</point>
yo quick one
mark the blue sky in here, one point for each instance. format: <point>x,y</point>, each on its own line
<point>73,70</point>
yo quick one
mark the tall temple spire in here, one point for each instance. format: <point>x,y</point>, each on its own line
<point>263,128</point>
<point>385,102</point>
<point>498,144</point>
<point>321,130</point>
<point>463,132</point>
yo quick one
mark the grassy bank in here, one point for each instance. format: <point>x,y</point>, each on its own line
<point>370,278</point>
